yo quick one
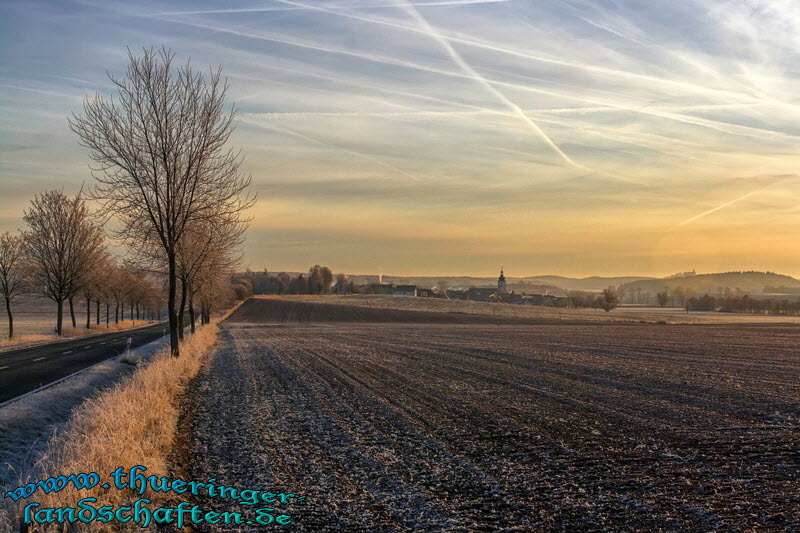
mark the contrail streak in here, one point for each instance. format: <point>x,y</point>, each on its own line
<point>361,84</point>
<point>724,127</point>
<point>40,91</point>
<point>723,206</point>
<point>731,129</point>
<point>341,6</point>
<point>377,114</point>
<point>689,61</point>
<point>516,110</point>
<point>728,204</point>
<point>250,120</point>
<point>660,82</point>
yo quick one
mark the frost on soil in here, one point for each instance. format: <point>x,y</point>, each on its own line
<point>519,427</point>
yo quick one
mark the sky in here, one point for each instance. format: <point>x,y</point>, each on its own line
<point>569,137</point>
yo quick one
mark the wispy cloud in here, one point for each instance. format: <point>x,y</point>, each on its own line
<point>729,203</point>
<point>375,160</point>
<point>535,130</point>
<point>471,72</point>
<point>268,9</point>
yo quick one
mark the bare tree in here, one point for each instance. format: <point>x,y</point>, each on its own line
<point>63,244</point>
<point>12,272</point>
<point>161,162</point>
<point>212,247</point>
<point>217,290</point>
<point>116,286</point>
<point>94,286</point>
<point>104,293</point>
<point>609,299</point>
<point>320,279</point>
<point>663,297</point>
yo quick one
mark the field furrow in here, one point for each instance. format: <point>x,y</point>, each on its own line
<point>469,427</point>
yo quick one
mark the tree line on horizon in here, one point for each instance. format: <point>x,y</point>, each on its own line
<point>318,280</point>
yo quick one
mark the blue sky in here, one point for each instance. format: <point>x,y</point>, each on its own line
<point>449,136</point>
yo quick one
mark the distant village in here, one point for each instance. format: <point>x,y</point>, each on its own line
<point>475,294</point>
<point>769,293</point>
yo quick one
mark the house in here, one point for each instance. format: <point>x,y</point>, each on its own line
<point>342,288</point>
<point>405,290</point>
<point>489,294</point>
<point>457,294</point>
<point>380,288</point>
<point>483,294</point>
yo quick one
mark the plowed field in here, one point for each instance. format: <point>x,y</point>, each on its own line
<point>484,427</point>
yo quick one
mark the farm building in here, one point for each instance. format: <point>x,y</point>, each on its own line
<point>481,294</point>
<point>381,288</point>
<point>405,290</point>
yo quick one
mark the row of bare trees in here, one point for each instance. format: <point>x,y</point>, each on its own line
<point>62,255</point>
<point>164,175</point>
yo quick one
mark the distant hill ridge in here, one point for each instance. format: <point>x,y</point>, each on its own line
<point>752,282</point>
<point>548,283</point>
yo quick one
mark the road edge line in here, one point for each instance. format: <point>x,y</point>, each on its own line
<point>59,380</point>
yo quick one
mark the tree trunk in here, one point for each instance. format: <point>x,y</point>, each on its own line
<point>191,311</point>
<point>131,311</point>
<point>72,313</point>
<point>173,318</point>
<point>60,319</point>
<point>137,310</point>
<point>97,314</point>
<point>88,312</point>
<point>108,312</point>
<point>10,319</point>
<point>182,310</point>
<point>116,314</point>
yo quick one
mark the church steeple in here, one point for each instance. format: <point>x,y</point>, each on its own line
<point>501,283</point>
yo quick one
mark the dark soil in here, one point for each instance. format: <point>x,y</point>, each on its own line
<point>401,427</point>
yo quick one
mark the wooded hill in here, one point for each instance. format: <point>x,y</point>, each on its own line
<point>749,282</point>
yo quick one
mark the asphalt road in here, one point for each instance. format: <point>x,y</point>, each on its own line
<point>26,369</point>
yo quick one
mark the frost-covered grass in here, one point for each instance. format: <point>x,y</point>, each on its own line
<point>27,423</point>
<point>133,423</point>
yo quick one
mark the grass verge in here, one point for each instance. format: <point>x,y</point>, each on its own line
<point>134,423</point>
<point>69,332</point>
<point>26,339</point>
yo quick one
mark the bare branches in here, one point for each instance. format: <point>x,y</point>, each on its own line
<point>13,272</point>
<point>161,164</point>
<point>63,245</point>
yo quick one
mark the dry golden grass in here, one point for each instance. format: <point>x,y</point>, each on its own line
<point>134,423</point>
<point>70,333</point>
<point>25,339</point>
<point>102,328</point>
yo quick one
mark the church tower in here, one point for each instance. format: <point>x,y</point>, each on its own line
<point>501,283</point>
